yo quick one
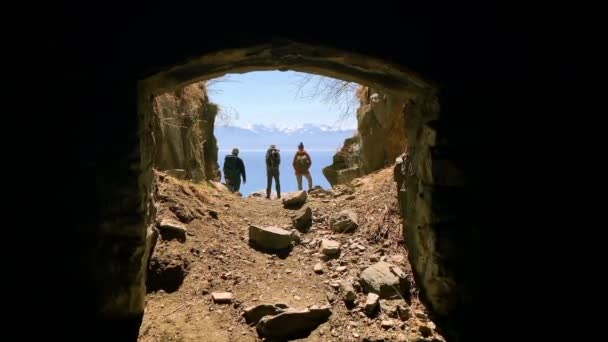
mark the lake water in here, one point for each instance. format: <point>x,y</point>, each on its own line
<point>255,168</point>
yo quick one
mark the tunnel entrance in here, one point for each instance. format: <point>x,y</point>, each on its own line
<point>419,173</point>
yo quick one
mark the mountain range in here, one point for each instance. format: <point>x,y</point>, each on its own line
<point>259,137</point>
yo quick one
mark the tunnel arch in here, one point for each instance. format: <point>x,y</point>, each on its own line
<point>419,177</point>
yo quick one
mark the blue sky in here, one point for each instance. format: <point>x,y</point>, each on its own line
<point>270,98</point>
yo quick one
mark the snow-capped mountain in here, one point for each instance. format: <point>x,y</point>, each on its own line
<point>259,137</point>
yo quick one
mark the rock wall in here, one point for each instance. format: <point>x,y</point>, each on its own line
<point>183,130</point>
<point>380,138</point>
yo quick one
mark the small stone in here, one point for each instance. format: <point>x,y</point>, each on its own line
<point>361,314</point>
<point>361,248</point>
<point>318,268</point>
<point>341,269</point>
<point>398,259</point>
<point>374,258</point>
<point>386,244</point>
<point>297,297</point>
<point>387,324</point>
<point>330,247</point>
<point>288,271</point>
<point>371,303</point>
<point>230,329</point>
<point>401,338</point>
<point>335,285</point>
<point>222,297</point>
<point>421,315</point>
<point>205,292</point>
<point>355,335</point>
<point>425,331</point>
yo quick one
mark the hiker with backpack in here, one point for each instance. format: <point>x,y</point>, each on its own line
<point>301,164</point>
<point>234,168</point>
<point>273,160</point>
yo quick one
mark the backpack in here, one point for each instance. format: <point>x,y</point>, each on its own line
<point>274,158</point>
<point>302,161</point>
<point>231,168</point>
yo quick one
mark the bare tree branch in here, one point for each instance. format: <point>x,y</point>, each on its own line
<point>331,91</point>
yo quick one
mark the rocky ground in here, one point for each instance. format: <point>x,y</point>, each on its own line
<point>218,273</point>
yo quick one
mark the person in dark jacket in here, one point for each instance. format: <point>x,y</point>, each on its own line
<point>234,169</point>
<point>301,164</point>
<point>273,161</point>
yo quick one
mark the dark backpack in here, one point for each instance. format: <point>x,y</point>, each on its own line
<point>274,159</point>
<point>231,167</point>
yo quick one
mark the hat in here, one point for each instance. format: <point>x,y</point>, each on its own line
<point>301,146</point>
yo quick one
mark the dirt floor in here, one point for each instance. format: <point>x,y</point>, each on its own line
<point>216,256</point>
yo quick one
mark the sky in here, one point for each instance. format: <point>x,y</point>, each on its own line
<point>270,98</point>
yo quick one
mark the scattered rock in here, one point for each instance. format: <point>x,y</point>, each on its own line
<point>386,244</point>
<point>295,199</point>
<point>421,315</point>
<point>293,323</point>
<point>253,314</point>
<point>330,297</point>
<point>402,338</point>
<point>425,331</point>
<point>389,309</point>
<point>302,218</point>
<point>371,303</point>
<point>387,324</point>
<point>404,312</point>
<point>341,269</point>
<point>334,285</point>
<point>344,221</point>
<point>387,280</point>
<point>170,229</point>
<point>166,273</point>
<point>222,297</point>
<point>351,197</point>
<point>318,268</point>
<point>270,237</point>
<point>330,247</point>
<point>296,236</point>
<point>374,258</point>
<point>397,259</point>
<point>348,292</point>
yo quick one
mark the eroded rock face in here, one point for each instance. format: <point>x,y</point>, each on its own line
<point>183,130</point>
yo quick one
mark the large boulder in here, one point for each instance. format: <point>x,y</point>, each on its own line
<point>386,280</point>
<point>273,238</point>
<point>344,221</point>
<point>302,218</point>
<point>293,323</point>
<point>295,199</point>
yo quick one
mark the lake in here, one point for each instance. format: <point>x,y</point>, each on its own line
<point>255,168</point>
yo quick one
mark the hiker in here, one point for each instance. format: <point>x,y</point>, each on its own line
<point>301,164</point>
<point>273,160</point>
<point>233,170</point>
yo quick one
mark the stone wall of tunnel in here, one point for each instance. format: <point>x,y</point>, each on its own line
<point>457,195</point>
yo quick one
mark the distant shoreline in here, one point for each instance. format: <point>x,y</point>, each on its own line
<point>282,150</point>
